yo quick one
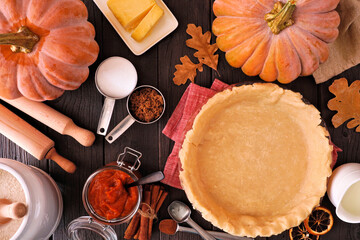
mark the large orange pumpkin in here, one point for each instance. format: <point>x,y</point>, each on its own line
<point>47,46</point>
<point>276,40</point>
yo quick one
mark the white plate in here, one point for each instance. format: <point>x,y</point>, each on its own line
<point>164,27</point>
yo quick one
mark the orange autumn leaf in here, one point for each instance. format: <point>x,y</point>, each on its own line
<point>201,43</point>
<point>346,103</point>
<point>186,70</point>
<point>205,55</point>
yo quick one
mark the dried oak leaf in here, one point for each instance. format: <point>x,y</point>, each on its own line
<point>201,43</point>
<point>186,70</point>
<point>346,103</point>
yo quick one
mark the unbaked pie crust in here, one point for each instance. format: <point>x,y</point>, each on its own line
<point>256,160</point>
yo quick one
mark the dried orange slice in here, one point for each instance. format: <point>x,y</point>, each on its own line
<point>319,222</point>
<point>300,233</point>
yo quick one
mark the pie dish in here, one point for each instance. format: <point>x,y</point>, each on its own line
<point>256,160</point>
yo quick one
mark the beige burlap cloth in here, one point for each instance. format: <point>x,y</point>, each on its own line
<point>345,51</point>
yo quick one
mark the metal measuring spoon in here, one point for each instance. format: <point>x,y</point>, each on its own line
<point>170,227</point>
<point>180,212</point>
<point>151,178</point>
<point>115,78</point>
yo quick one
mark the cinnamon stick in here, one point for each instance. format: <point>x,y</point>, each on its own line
<point>161,201</point>
<point>161,198</point>
<point>132,227</point>
<point>136,236</point>
<point>160,193</point>
<point>154,196</point>
<point>154,199</point>
<point>144,221</point>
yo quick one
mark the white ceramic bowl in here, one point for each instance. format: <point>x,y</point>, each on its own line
<point>43,199</point>
<point>340,181</point>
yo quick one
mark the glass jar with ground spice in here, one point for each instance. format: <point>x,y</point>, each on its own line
<point>145,105</point>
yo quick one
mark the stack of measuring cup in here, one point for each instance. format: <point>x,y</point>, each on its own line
<point>116,78</point>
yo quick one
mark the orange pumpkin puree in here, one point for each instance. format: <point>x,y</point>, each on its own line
<point>109,198</point>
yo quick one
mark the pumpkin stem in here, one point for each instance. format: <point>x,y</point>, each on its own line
<point>280,17</point>
<point>22,41</point>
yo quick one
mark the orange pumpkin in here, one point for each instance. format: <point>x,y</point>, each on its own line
<point>46,47</point>
<point>276,40</point>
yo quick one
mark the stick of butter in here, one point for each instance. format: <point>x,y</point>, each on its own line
<point>147,24</point>
<point>130,12</point>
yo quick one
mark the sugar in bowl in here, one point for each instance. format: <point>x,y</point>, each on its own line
<point>106,199</point>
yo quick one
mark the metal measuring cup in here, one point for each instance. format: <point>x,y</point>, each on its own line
<point>130,119</point>
<point>115,78</point>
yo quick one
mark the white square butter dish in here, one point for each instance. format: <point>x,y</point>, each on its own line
<point>164,27</point>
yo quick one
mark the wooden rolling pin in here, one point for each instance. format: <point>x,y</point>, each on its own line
<point>53,119</point>
<point>11,210</point>
<point>30,139</point>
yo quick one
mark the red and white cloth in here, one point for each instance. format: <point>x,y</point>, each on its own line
<point>181,121</point>
<point>190,103</point>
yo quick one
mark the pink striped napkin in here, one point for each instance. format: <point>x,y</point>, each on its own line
<point>181,121</point>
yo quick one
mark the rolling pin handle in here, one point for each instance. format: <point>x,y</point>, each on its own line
<point>83,136</point>
<point>15,210</point>
<point>64,163</point>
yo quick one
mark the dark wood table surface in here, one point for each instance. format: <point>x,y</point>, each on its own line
<point>156,67</point>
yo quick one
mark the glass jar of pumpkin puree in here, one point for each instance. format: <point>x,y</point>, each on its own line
<point>106,200</point>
